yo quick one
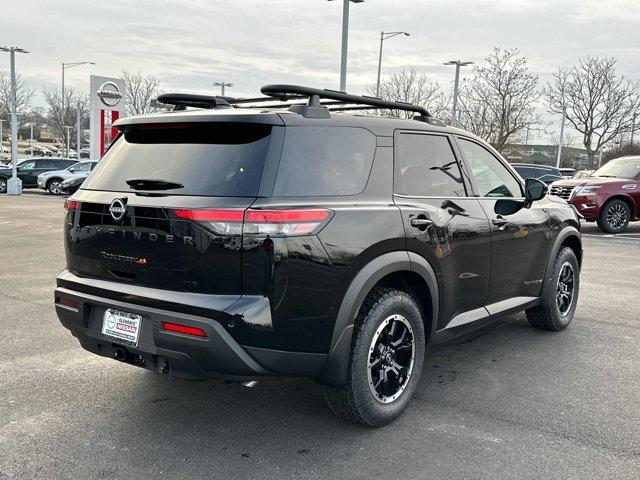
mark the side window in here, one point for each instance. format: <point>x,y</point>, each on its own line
<point>491,177</point>
<point>81,167</point>
<point>324,161</point>
<point>27,165</point>
<point>424,166</point>
<point>47,164</point>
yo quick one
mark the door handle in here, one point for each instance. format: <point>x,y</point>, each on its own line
<point>500,222</point>
<point>421,222</point>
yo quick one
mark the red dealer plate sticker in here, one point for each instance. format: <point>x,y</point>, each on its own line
<point>121,327</point>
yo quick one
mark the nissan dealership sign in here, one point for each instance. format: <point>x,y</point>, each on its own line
<point>107,105</point>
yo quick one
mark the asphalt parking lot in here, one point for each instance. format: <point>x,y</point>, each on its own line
<point>510,402</point>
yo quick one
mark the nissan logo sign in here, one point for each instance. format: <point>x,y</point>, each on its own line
<point>109,94</point>
<point>117,209</point>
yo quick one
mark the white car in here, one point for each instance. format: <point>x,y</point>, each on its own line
<point>51,180</point>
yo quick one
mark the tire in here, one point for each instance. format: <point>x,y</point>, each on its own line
<point>556,311</point>
<point>614,216</point>
<point>53,186</point>
<point>356,401</point>
<point>3,185</point>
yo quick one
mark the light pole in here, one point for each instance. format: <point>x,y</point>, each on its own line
<point>454,109</point>
<point>633,128</point>
<point>564,114</point>
<point>222,86</point>
<point>79,133</point>
<point>64,67</point>
<point>68,129</point>
<point>345,42</point>
<point>1,144</point>
<point>383,37</point>
<point>14,185</point>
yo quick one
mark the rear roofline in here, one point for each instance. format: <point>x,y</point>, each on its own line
<point>224,116</point>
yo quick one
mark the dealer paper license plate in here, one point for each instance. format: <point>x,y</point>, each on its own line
<point>121,327</point>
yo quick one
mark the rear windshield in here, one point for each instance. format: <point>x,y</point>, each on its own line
<point>324,161</point>
<point>213,159</point>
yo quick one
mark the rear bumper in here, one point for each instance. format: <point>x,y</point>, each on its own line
<point>217,355</point>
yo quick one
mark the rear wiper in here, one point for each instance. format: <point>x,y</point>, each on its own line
<point>152,184</point>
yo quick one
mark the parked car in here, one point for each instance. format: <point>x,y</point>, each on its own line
<point>52,181</point>
<point>544,173</point>
<point>29,169</point>
<point>38,151</point>
<point>71,185</point>
<point>338,250</point>
<point>610,196</point>
<point>567,172</point>
<point>583,173</point>
<point>85,153</point>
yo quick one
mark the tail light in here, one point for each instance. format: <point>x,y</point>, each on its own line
<point>273,223</point>
<point>71,204</point>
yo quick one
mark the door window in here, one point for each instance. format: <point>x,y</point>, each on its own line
<point>81,167</point>
<point>50,164</point>
<point>425,166</point>
<point>491,177</point>
<point>27,165</point>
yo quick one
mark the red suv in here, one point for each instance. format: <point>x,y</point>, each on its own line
<point>610,196</point>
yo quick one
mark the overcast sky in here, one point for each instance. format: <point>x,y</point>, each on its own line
<point>191,43</point>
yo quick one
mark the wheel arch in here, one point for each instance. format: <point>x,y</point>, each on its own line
<point>399,268</point>
<point>569,236</point>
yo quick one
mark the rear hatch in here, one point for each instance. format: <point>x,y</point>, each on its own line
<point>164,207</point>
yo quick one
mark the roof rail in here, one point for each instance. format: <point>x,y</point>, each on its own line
<point>287,92</point>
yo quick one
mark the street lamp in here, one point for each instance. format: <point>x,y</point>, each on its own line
<point>222,85</point>
<point>559,154</point>
<point>14,185</point>
<point>64,67</point>
<point>345,41</point>
<point>383,37</point>
<point>458,64</point>
<point>68,128</point>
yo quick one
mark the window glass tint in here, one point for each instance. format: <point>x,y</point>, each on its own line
<point>47,164</point>
<point>424,166</point>
<point>323,161</point>
<point>491,177</point>
<point>210,159</point>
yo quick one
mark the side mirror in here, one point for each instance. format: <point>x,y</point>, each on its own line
<point>71,169</point>
<point>534,190</point>
<point>507,206</point>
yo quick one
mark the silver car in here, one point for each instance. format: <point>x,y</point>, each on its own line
<point>51,180</point>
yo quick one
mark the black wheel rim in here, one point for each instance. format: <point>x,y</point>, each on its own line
<point>391,357</point>
<point>565,288</point>
<point>616,216</point>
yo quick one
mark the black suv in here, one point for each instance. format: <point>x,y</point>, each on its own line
<point>28,170</point>
<point>241,240</point>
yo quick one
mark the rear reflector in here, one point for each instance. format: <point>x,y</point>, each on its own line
<point>175,327</point>
<point>71,204</point>
<point>67,302</point>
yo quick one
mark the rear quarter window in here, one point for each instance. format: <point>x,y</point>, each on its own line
<point>324,161</point>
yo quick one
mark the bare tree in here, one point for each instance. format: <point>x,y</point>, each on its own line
<point>620,151</point>
<point>24,95</point>
<point>497,103</point>
<point>58,119</point>
<point>413,87</point>
<point>600,104</point>
<point>141,90</point>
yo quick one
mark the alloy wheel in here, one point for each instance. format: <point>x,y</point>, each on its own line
<point>391,358</point>
<point>616,216</point>
<point>565,288</point>
<point>54,187</point>
<point>3,185</point>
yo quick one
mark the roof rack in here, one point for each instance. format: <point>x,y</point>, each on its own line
<point>319,102</point>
